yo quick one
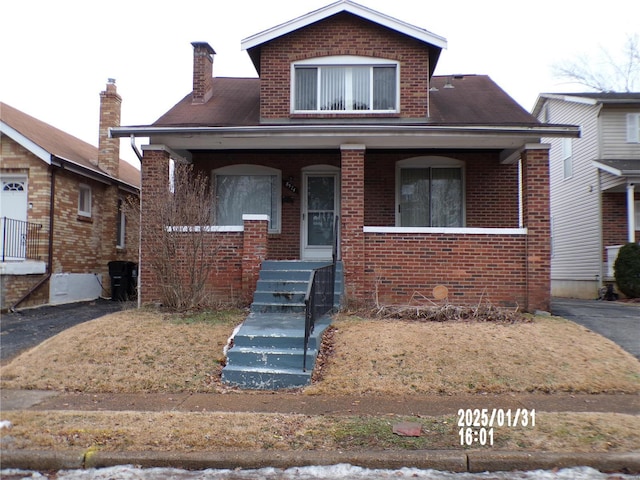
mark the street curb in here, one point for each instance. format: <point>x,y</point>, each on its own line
<point>443,460</point>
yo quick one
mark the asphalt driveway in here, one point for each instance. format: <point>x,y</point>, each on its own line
<point>618,321</point>
<point>27,328</point>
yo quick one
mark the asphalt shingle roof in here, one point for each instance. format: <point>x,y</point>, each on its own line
<point>466,100</point>
<point>62,144</point>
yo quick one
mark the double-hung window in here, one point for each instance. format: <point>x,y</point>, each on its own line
<point>633,127</point>
<point>430,192</point>
<point>120,225</point>
<point>247,189</point>
<point>84,200</point>
<point>345,84</point>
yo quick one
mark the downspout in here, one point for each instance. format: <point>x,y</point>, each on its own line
<point>50,248</point>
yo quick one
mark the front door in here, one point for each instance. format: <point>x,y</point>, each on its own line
<point>13,212</point>
<point>319,209</point>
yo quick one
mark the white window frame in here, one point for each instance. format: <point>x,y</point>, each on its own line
<point>345,61</point>
<point>84,191</point>
<point>121,225</point>
<point>430,162</point>
<point>255,170</point>
<point>567,158</point>
<point>633,127</point>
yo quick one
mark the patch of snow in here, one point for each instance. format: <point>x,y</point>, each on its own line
<point>333,472</point>
<point>230,340</point>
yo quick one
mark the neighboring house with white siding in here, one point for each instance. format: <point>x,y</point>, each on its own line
<point>595,186</point>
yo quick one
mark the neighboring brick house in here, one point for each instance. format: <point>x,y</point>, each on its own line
<point>595,197</point>
<point>62,221</point>
<point>436,180</point>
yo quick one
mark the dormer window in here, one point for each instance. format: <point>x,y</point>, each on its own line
<point>345,84</point>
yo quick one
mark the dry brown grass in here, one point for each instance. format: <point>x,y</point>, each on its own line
<point>143,351</point>
<point>129,351</point>
<point>193,432</point>
<point>398,357</point>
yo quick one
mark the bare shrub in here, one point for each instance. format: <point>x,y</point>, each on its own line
<point>184,249</point>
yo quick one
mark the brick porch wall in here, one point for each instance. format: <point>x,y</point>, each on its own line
<point>473,267</point>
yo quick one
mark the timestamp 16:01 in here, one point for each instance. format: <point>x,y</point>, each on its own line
<point>476,436</point>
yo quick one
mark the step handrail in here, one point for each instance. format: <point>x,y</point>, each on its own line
<point>319,298</point>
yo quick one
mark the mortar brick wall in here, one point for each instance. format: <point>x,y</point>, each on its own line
<point>536,214</point>
<point>80,245</point>
<point>614,220</point>
<point>491,188</point>
<point>343,34</point>
<point>472,267</point>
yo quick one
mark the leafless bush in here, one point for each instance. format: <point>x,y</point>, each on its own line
<point>181,250</point>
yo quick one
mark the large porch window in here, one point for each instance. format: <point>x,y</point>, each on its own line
<point>247,189</point>
<point>430,192</point>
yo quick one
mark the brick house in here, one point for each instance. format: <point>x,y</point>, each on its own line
<point>436,180</point>
<point>62,221</point>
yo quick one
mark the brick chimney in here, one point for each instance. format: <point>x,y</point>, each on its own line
<point>202,72</point>
<point>109,148</point>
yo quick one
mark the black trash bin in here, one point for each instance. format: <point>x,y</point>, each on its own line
<point>123,286</point>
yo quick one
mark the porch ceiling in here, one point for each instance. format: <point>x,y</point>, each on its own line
<point>183,139</point>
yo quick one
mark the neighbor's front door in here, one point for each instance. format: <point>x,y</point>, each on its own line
<point>319,209</point>
<point>13,206</point>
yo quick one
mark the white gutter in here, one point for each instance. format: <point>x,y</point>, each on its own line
<point>332,129</point>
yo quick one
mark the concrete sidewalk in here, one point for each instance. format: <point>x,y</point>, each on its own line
<point>267,402</point>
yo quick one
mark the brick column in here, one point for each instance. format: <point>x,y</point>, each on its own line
<point>352,219</point>
<point>536,215</point>
<point>155,188</point>
<point>256,228</point>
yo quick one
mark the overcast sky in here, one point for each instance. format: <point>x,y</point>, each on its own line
<point>57,55</point>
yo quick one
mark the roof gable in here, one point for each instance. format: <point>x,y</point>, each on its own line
<point>44,141</point>
<point>435,42</point>
<point>589,98</point>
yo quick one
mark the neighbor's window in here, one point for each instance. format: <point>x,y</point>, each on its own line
<point>567,158</point>
<point>345,84</point>
<point>633,127</point>
<point>84,200</point>
<point>430,192</point>
<point>247,189</point>
<point>120,225</point>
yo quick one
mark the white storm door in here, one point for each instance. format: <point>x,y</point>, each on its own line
<point>13,206</point>
<point>319,209</point>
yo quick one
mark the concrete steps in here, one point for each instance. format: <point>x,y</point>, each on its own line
<point>267,351</point>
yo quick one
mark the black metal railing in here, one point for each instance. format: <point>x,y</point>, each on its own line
<point>20,240</point>
<point>320,293</point>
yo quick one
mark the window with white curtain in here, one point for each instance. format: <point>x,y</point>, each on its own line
<point>345,84</point>
<point>430,192</point>
<point>247,189</point>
